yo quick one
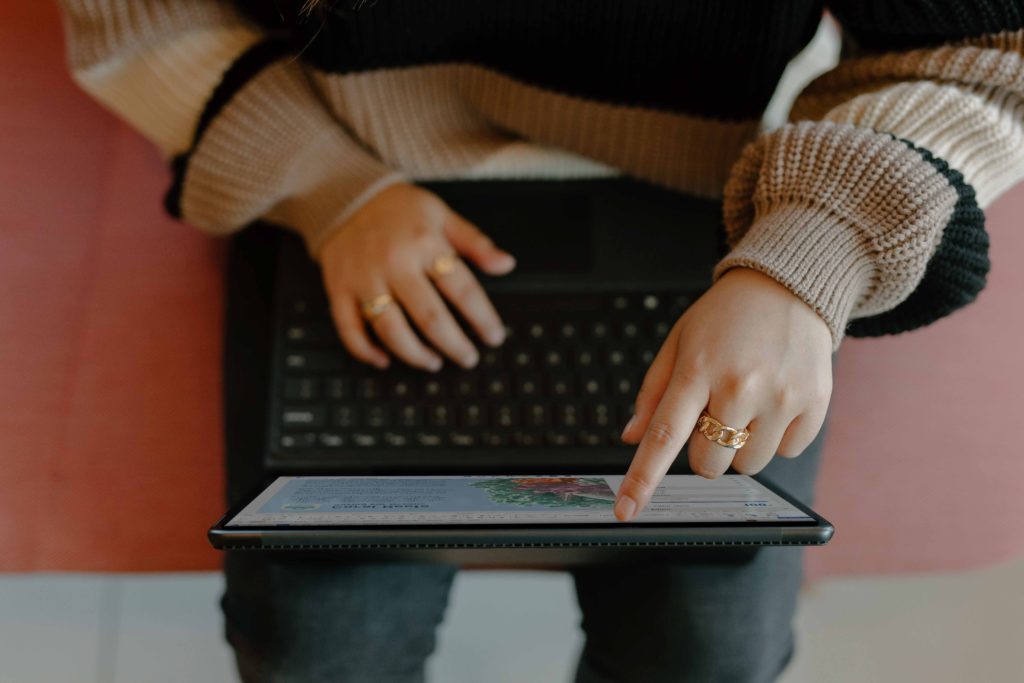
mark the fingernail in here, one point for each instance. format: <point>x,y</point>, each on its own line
<point>625,430</point>
<point>435,364</point>
<point>625,508</point>
<point>495,337</point>
<point>470,360</point>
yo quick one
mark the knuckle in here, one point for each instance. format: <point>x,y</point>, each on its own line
<point>433,321</point>
<point>661,433</point>
<point>465,290</point>
<point>740,383</point>
<point>788,395</point>
<point>422,231</point>
<point>823,391</point>
<point>638,481</point>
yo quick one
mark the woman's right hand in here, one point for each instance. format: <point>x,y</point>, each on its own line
<point>388,247</point>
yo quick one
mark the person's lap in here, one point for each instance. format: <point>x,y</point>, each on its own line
<point>313,621</point>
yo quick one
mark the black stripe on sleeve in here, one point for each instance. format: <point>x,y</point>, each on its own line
<point>248,64</point>
<point>908,24</point>
<point>955,274</point>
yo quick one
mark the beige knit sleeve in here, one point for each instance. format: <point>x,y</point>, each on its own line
<point>847,204</point>
<point>264,147</point>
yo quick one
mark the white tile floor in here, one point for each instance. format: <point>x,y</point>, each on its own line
<point>166,629</point>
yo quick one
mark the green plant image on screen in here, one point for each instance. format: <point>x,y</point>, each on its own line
<point>555,492</point>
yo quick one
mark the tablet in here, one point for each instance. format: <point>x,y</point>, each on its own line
<point>484,517</point>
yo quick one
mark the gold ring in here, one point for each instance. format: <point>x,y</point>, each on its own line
<point>715,431</point>
<point>377,305</point>
<point>444,264</point>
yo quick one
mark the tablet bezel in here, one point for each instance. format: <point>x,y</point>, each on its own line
<point>816,531</point>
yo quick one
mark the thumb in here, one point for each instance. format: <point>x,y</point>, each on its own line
<point>477,247</point>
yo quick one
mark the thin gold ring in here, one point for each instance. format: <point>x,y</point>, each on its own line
<point>444,264</point>
<point>715,431</point>
<point>377,305</point>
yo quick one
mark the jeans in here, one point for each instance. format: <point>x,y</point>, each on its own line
<point>308,621</point>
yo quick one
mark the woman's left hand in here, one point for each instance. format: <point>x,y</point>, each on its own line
<point>754,355</point>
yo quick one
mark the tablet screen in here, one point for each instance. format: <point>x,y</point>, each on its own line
<point>331,501</point>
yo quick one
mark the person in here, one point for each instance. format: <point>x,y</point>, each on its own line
<point>861,216</point>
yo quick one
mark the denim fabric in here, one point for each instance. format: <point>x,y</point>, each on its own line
<point>312,621</point>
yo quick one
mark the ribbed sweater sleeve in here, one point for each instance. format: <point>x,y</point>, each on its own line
<point>867,205</point>
<point>250,137</point>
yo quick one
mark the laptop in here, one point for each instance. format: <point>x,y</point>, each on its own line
<point>604,268</point>
<point>516,460</point>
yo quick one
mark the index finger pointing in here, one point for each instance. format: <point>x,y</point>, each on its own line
<point>666,433</point>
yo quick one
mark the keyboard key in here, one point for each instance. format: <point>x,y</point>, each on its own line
<point>365,439</point>
<point>432,388</point>
<point>377,416</point>
<point>314,361</point>
<point>440,416</point>
<point>599,331</point>
<point>616,357</point>
<point>629,330</point>
<point>585,358</point>
<point>651,302</point>
<point>536,331</point>
<point>620,303</point>
<point>428,439</point>
<point>589,438</point>
<point>623,386</point>
<point>527,386</point>
<point>522,358</point>
<point>568,415</point>
<point>558,437</point>
<point>396,439</point>
<point>560,385</point>
<point>660,329</point>
<point>331,439</point>
<point>344,417</point>
<point>591,385</point>
<point>339,388</point>
<point>410,416</point>
<point>399,389</point>
<point>526,439</point>
<point>537,415</point>
<point>471,416</point>
<point>494,439</point>
<point>599,415</point>
<point>568,331</point>
<point>302,389</point>
<point>303,417</point>
<point>368,389</point>
<point>306,333</point>
<point>554,359</point>
<point>466,387</point>
<point>462,439</point>
<point>496,387</point>
<point>298,441</point>
<point>505,415</point>
<point>490,358</point>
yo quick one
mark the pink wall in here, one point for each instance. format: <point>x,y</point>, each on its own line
<point>109,340</point>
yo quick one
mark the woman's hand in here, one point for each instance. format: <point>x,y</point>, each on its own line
<point>755,356</point>
<point>388,247</point>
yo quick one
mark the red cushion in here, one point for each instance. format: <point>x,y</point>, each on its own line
<point>110,318</point>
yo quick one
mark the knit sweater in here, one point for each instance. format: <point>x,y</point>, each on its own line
<point>867,205</point>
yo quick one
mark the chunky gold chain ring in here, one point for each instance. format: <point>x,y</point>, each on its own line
<point>713,430</point>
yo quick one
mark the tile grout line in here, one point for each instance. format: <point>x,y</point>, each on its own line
<point>109,629</point>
